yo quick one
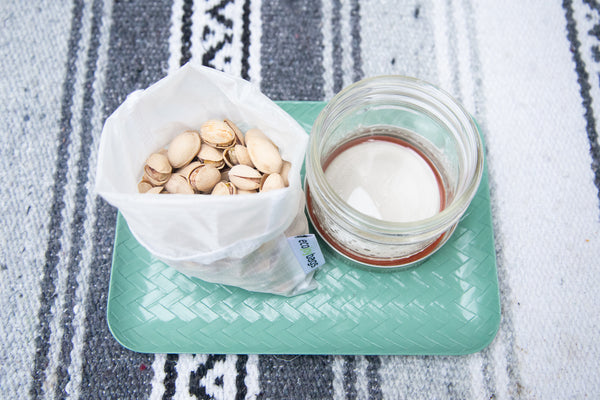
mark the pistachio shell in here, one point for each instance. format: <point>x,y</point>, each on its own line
<point>237,154</point>
<point>157,169</point>
<point>217,133</point>
<point>241,191</point>
<point>244,177</point>
<point>156,190</point>
<point>271,182</point>
<point>256,133</point>
<point>183,148</point>
<point>210,155</point>
<point>224,188</point>
<point>178,184</point>
<point>204,178</point>
<point>239,136</point>
<point>264,155</point>
<point>285,170</point>
<point>185,171</point>
<point>144,186</point>
<point>225,174</point>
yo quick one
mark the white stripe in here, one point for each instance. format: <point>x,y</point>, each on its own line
<point>475,363</point>
<point>440,31</point>
<point>73,387</point>
<point>235,12</point>
<point>337,367</point>
<point>362,381</point>
<point>254,60</point>
<point>158,385</point>
<point>346,44</point>
<point>546,204</point>
<point>56,323</point>
<point>199,21</point>
<point>465,76</point>
<point>252,377</point>
<point>326,12</point>
<point>175,36</point>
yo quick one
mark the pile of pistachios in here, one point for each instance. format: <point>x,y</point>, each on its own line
<point>218,160</point>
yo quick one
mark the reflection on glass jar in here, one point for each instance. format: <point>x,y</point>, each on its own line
<point>392,164</point>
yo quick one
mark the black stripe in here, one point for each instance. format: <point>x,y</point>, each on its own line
<point>138,55</point>
<point>584,89</point>
<point>374,387</point>
<point>170,376</point>
<point>186,31</point>
<point>240,378</point>
<point>336,39</point>
<point>297,377</point>
<point>196,388</point>
<point>245,41</point>
<point>79,217</point>
<point>292,50</point>
<point>350,377</point>
<point>53,247</point>
<point>593,4</point>
<point>356,40</point>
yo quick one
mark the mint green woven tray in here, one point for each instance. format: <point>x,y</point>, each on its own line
<point>448,305</point>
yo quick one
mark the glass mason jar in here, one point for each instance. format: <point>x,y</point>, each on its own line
<point>423,118</point>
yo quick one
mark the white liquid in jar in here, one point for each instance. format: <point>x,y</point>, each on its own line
<point>385,180</point>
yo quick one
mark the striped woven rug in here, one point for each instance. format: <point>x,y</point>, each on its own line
<point>528,71</point>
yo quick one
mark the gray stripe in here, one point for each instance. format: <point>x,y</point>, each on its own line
<point>292,50</point>
<point>79,216</point>
<point>350,377</point>
<point>356,54</point>
<point>53,246</point>
<point>336,46</point>
<point>138,56</point>
<point>374,388</point>
<point>506,327</point>
<point>296,377</point>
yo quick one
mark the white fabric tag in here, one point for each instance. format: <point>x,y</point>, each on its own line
<point>307,251</point>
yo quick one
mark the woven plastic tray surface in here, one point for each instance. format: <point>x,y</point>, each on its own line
<point>447,305</point>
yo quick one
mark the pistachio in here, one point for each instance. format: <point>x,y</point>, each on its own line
<point>271,182</point>
<point>264,155</point>
<point>211,156</point>
<point>244,177</point>
<point>217,133</point>
<point>237,154</point>
<point>204,178</point>
<point>239,136</point>
<point>224,188</point>
<point>178,184</point>
<point>157,169</point>
<point>285,171</point>
<point>183,148</point>
<point>144,186</point>
<point>185,171</point>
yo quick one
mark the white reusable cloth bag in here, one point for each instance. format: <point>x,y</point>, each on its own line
<point>234,240</point>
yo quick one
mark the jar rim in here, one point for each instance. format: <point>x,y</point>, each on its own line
<point>390,83</point>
